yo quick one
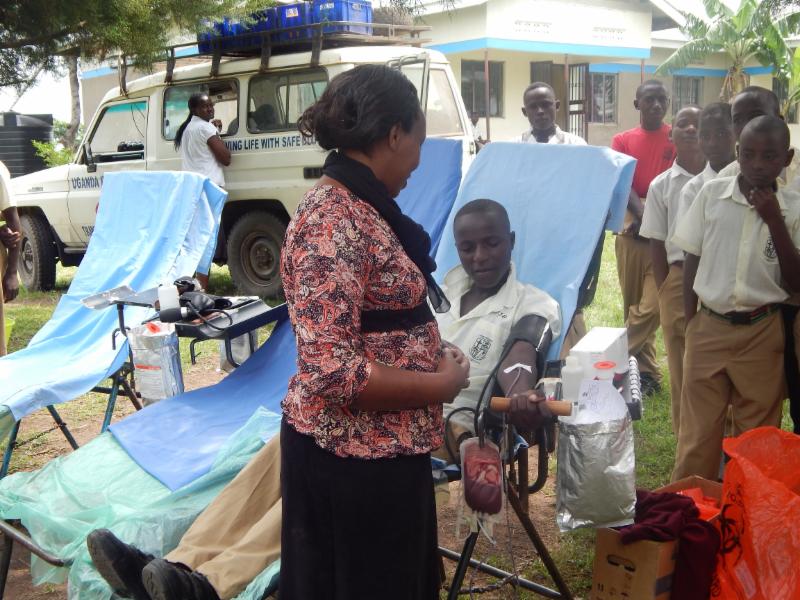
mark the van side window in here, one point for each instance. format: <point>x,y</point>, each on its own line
<point>442,112</point>
<point>120,132</point>
<point>276,101</point>
<point>224,94</point>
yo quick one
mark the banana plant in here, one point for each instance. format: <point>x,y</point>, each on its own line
<point>752,33</point>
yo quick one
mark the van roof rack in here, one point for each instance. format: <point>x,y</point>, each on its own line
<point>286,40</point>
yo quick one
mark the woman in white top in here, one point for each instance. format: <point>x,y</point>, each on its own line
<point>202,150</point>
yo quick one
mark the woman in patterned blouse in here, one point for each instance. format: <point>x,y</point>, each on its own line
<point>365,408</point>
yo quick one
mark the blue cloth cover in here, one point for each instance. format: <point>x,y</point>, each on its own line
<point>559,200</point>
<point>176,440</point>
<point>150,226</point>
<point>433,186</point>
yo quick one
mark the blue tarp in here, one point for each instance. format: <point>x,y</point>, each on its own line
<point>433,186</point>
<point>559,200</point>
<point>150,227</point>
<point>176,440</point>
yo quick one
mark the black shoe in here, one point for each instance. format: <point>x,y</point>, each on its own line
<point>120,564</point>
<point>650,385</point>
<point>164,580</point>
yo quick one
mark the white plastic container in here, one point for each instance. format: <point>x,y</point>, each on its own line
<point>167,296</point>
<point>571,378</point>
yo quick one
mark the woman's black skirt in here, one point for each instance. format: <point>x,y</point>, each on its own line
<point>356,529</point>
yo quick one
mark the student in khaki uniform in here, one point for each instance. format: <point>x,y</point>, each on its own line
<point>651,146</point>
<point>239,534</point>
<point>718,144</point>
<point>741,236</point>
<point>9,249</point>
<point>658,224</point>
<point>752,102</point>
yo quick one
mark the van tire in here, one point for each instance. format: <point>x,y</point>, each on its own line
<point>37,257</point>
<point>254,254</point>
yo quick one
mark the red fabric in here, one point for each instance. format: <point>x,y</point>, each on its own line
<point>653,150</point>
<point>665,517</point>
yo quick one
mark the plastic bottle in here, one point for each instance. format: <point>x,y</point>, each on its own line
<point>571,378</point>
<point>168,296</point>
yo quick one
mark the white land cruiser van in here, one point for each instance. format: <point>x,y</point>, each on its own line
<point>271,168</point>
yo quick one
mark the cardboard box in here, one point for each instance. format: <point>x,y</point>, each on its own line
<point>712,489</point>
<point>642,570</point>
<point>638,571</point>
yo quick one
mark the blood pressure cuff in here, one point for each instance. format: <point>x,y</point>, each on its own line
<point>533,329</point>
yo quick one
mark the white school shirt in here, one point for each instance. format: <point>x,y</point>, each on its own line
<point>661,208</point>
<point>559,137</point>
<point>692,188</point>
<point>739,268</point>
<point>482,333</point>
<point>195,153</point>
<point>6,197</point>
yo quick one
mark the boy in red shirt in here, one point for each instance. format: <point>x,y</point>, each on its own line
<point>651,146</point>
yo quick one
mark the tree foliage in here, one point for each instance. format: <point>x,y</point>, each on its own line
<point>62,148</point>
<point>758,30</point>
<point>35,33</point>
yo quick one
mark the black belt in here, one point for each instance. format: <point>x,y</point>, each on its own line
<point>384,320</point>
<point>743,318</point>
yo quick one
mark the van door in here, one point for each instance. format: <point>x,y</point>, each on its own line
<point>115,143</point>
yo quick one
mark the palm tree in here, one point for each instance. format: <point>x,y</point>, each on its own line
<point>753,32</point>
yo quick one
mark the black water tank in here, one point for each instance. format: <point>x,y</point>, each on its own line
<point>16,133</point>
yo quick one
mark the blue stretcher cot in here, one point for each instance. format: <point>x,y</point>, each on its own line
<point>150,227</point>
<point>562,217</point>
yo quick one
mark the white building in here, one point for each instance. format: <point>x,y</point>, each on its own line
<point>593,52</point>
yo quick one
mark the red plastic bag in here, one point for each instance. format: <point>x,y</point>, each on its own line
<point>760,518</point>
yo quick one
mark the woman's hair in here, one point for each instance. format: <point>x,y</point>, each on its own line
<point>194,102</point>
<point>359,108</point>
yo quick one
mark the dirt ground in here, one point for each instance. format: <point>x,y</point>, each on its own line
<point>512,549</point>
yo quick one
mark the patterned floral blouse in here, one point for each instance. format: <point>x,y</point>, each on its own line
<point>339,258</point>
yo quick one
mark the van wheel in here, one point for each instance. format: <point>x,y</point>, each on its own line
<point>37,257</point>
<point>254,254</point>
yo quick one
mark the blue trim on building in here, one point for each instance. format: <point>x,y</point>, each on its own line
<point>758,70</point>
<point>650,69</point>
<point>100,71</point>
<point>534,46</point>
<point>97,72</point>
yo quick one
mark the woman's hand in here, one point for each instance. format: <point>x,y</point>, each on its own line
<point>528,410</point>
<point>454,370</point>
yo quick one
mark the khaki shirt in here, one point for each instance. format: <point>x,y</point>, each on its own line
<point>482,332</point>
<point>661,208</point>
<point>559,137</point>
<point>6,199</point>
<point>739,268</point>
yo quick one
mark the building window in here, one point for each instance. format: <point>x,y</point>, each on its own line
<point>473,88</point>
<point>604,98</point>
<point>685,91</point>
